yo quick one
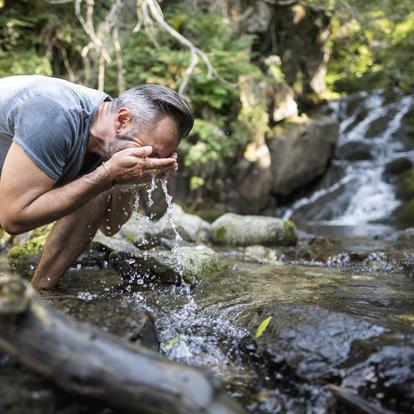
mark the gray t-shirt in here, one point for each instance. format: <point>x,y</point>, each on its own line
<point>50,119</point>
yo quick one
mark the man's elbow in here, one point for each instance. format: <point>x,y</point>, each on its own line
<point>12,226</point>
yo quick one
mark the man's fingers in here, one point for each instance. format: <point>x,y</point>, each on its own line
<point>159,163</point>
<point>141,152</point>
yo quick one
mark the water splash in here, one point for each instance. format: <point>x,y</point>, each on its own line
<point>178,238</point>
<point>151,189</point>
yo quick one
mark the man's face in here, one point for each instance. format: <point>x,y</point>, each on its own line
<point>163,138</point>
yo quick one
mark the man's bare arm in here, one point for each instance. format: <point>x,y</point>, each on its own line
<point>28,199</point>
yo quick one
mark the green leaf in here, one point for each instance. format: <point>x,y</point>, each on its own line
<point>262,327</point>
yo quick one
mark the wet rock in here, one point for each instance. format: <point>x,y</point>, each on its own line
<point>387,375</point>
<point>329,205</point>
<point>114,243</point>
<point>197,264</point>
<point>355,151</point>
<point>261,254</point>
<point>319,249</point>
<point>300,151</point>
<point>190,227</point>
<point>142,232</point>
<point>397,167</point>
<point>237,230</point>
<point>378,126</point>
<point>158,207</point>
<point>309,341</point>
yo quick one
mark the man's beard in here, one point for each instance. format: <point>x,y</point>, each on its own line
<point>118,144</point>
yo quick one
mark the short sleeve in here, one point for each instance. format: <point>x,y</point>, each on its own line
<point>45,131</point>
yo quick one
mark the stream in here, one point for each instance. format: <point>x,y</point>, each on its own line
<point>342,312</point>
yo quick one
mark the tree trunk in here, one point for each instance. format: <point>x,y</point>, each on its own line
<point>82,359</point>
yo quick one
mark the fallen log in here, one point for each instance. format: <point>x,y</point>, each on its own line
<point>83,359</point>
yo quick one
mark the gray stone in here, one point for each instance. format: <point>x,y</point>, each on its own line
<point>190,227</point>
<point>197,264</point>
<point>300,151</point>
<point>237,230</point>
<point>114,243</point>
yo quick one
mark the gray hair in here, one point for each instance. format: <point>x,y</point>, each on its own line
<point>150,103</point>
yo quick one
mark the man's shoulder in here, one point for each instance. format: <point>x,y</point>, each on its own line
<point>49,89</point>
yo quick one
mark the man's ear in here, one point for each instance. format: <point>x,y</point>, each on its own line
<point>123,120</point>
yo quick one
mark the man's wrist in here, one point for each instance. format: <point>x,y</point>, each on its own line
<point>99,179</point>
<point>105,167</point>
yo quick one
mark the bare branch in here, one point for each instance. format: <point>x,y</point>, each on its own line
<point>196,53</point>
<point>119,61</point>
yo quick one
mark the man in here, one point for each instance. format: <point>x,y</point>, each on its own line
<point>65,151</point>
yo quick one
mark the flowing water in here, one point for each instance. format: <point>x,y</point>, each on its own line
<point>355,192</point>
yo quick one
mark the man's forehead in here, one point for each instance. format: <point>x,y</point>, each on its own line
<point>163,137</point>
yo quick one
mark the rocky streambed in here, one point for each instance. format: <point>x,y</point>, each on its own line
<point>278,320</point>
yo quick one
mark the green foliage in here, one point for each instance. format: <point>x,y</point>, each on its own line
<point>45,39</point>
<point>216,104</point>
<point>33,38</point>
<point>372,45</point>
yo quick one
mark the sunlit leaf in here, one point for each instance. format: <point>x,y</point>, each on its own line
<point>262,327</point>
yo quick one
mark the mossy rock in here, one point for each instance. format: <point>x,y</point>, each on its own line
<point>238,230</point>
<point>197,264</point>
<point>23,257</point>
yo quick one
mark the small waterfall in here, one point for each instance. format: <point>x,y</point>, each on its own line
<point>354,191</point>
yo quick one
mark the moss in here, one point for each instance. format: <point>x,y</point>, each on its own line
<point>405,214</point>
<point>23,257</point>
<point>289,230</point>
<point>220,235</point>
<point>409,183</point>
<point>5,239</point>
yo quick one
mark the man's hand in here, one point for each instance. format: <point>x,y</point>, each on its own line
<point>134,165</point>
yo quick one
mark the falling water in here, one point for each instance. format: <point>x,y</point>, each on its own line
<point>178,238</point>
<point>151,189</point>
<point>360,194</point>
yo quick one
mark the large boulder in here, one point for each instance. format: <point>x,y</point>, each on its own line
<point>237,230</point>
<point>188,264</point>
<point>253,182</point>
<point>312,342</point>
<point>189,226</point>
<point>300,151</point>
